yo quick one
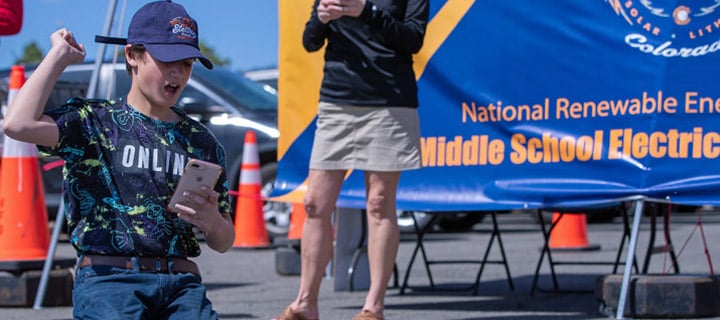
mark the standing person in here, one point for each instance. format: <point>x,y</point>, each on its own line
<point>123,161</point>
<point>367,120</point>
<point>11,17</point>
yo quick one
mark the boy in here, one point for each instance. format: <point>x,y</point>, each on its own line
<point>123,161</point>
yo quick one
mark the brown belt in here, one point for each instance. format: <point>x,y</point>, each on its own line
<point>160,264</point>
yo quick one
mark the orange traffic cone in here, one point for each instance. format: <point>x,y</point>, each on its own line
<point>570,232</point>
<point>250,229</point>
<point>24,233</point>
<point>297,220</point>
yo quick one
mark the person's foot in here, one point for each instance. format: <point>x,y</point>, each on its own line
<point>291,314</point>
<point>367,315</point>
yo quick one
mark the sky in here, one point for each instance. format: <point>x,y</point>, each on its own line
<point>243,31</point>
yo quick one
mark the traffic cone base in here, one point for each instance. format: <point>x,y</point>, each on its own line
<point>570,233</point>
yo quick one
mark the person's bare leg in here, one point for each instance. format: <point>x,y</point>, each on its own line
<point>383,235</point>
<point>317,238</point>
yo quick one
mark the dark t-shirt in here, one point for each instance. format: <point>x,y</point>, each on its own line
<point>368,59</point>
<point>121,168</point>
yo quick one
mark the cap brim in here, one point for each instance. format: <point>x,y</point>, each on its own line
<point>177,52</point>
<point>110,40</point>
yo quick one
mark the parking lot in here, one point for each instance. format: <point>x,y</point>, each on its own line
<point>243,283</point>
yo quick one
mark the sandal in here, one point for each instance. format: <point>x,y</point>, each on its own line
<point>366,315</point>
<point>290,314</point>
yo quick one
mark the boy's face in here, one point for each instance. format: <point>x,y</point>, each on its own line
<point>161,83</point>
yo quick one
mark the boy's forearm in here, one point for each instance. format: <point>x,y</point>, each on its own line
<point>221,237</point>
<point>24,120</point>
<point>26,110</point>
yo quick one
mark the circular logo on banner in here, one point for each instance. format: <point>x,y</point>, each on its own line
<point>682,29</point>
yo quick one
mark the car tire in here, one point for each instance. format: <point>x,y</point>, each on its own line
<point>275,213</point>
<point>460,221</point>
<point>592,215</point>
<point>405,220</point>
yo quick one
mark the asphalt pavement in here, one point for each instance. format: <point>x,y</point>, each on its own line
<point>244,283</point>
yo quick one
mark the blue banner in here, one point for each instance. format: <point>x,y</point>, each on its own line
<point>528,104</point>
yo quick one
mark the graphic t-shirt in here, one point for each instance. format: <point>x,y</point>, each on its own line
<point>121,168</point>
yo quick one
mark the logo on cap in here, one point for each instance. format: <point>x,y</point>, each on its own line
<point>184,28</point>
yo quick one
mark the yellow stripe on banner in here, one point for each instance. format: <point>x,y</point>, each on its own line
<point>299,73</point>
<point>299,77</point>
<point>438,29</point>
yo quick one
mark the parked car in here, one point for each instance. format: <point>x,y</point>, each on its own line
<point>265,76</point>
<point>228,103</point>
<point>451,221</point>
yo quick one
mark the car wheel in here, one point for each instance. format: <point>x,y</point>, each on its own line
<point>460,221</point>
<point>276,214</point>
<point>405,220</point>
<point>545,215</point>
<point>592,215</point>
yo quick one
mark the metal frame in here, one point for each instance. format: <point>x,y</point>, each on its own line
<point>419,247</point>
<point>546,251</point>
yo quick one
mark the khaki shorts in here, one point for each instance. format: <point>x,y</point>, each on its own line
<point>366,138</point>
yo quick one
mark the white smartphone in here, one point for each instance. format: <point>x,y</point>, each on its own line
<point>196,173</point>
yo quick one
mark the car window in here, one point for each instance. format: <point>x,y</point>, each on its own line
<point>108,87</point>
<point>191,94</point>
<point>68,86</point>
<point>63,91</point>
<point>76,76</point>
<point>118,86</point>
<point>196,102</point>
<point>238,89</point>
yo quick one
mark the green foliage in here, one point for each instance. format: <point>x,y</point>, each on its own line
<point>213,56</point>
<point>31,54</point>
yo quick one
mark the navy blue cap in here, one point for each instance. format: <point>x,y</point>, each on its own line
<point>166,31</point>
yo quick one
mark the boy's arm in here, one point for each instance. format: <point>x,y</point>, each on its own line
<point>222,234</point>
<point>24,120</point>
<point>202,211</point>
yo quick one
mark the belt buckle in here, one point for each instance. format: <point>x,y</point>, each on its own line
<point>158,265</point>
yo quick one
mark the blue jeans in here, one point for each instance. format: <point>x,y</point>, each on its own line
<point>108,293</point>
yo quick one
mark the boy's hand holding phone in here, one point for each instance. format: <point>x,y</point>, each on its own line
<point>194,199</point>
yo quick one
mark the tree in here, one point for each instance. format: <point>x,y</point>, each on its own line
<point>210,53</point>
<point>31,54</point>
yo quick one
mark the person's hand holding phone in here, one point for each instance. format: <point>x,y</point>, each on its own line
<point>199,207</point>
<point>195,201</point>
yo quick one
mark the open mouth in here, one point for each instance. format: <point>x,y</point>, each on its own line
<point>171,88</point>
